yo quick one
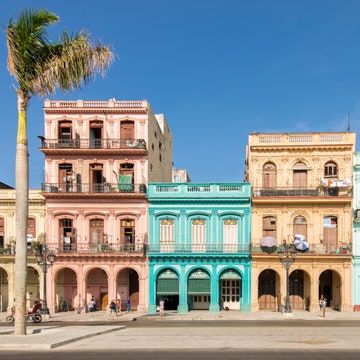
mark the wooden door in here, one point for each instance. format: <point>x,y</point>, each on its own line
<point>104,299</point>
<point>96,231</point>
<point>300,179</point>
<point>269,175</point>
<point>296,290</point>
<point>96,177</point>
<point>267,290</point>
<point>330,233</point>
<point>127,130</point>
<point>269,226</point>
<point>127,231</point>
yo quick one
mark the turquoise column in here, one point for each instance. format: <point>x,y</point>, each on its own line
<point>245,304</point>
<point>214,296</point>
<point>152,290</point>
<point>183,301</point>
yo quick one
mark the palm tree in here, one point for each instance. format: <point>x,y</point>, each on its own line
<point>40,68</point>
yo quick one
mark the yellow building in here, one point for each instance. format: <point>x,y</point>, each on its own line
<point>7,245</point>
<point>301,190</point>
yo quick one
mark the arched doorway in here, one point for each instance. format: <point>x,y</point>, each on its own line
<point>199,290</point>
<point>4,290</point>
<point>231,289</point>
<point>167,288</point>
<point>66,290</point>
<point>330,287</point>
<point>33,287</point>
<point>127,287</point>
<point>268,290</point>
<point>97,287</point>
<point>299,290</point>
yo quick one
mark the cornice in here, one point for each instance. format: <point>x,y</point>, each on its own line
<point>298,148</point>
<point>94,111</point>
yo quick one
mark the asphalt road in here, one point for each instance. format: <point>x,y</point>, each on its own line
<point>222,354</point>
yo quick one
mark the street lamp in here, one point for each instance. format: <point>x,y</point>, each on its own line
<point>287,256</point>
<point>45,259</point>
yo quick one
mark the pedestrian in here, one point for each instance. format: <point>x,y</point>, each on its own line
<point>92,305</point>
<point>113,308</point>
<point>128,305</point>
<point>322,304</point>
<point>118,307</point>
<point>162,307</point>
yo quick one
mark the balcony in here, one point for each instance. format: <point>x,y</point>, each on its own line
<point>93,146</point>
<point>199,190</point>
<point>322,194</point>
<point>63,248</point>
<point>314,249</point>
<point>76,190</point>
<point>199,249</point>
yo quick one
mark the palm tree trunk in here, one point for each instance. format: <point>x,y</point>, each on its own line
<point>22,195</point>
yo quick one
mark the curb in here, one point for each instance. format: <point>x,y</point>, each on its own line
<point>42,346</point>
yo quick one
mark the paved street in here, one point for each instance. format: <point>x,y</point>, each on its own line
<point>186,354</point>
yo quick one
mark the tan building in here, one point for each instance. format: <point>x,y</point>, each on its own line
<point>301,190</point>
<point>7,246</point>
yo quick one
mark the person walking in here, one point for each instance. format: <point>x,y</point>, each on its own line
<point>113,308</point>
<point>128,305</point>
<point>162,308</point>
<point>118,307</point>
<point>322,304</point>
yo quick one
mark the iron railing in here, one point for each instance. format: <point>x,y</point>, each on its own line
<point>314,249</point>
<point>217,248</point>
<point>307,191</point>
<point>93,144</point>
<point>104,187</point>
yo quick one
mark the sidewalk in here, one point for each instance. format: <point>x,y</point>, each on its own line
<point>50,337</point>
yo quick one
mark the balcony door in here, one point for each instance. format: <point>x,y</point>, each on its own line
<point>269,176</point>
<point>127,232</point>
<point>67,233</point>
<point>66,175</point>
<point>96,231</point>
<point>126,178</point>
<point>127,130</point>
<point>330,233</point>
<point>96,177</point>
<point>300,176</point>
<point>96,130</point>
<point>64,133</point>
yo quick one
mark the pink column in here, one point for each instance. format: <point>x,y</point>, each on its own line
<point>142,288</point>
<point>81,285</point>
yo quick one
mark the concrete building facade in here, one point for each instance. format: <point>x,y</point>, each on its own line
<point>99,157</point>
<point>302,188</point>
<point>356,234</point>
<point>198,248</point>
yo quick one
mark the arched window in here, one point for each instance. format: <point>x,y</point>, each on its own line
<point>330,170</point>
<point>300,226</point>
<point>2,232</point>
<point>269,226</point>
<point>230,235</point>
<point>167,235</point>
<point>300,175</point>
<point>198,230</point>
<point>330,232</point>
<point>269,175</point>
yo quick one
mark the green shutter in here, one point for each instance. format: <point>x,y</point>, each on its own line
<point>198,286</point>
<point>125,183</point>
<point>167,287</point>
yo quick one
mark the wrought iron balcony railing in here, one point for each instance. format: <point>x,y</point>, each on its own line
<point>92,188</point>
<point>63,248</point>
<point>314,249</point>
<point>302,192</point>
<point>93,144</point>
<point>217,248</point>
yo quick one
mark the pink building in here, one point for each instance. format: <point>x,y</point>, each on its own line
<point>99,157</point>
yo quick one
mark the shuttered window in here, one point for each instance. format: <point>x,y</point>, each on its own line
<point>300,226</point>
<point>167,235</point>
<point>198,235</point>
<point>230,235</point>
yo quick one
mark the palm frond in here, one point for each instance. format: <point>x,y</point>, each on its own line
<point>26,38</point>
<point>73,61</point>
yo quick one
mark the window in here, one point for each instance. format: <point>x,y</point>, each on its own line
<point>2,233</point>
<point>167,235</point>
<point>300,175</point>
<point>96,231</point>
<point>269,175</point>
<point>330,170</point>
<point>230,235</point>
<point>31,229</point>
<point>64,131</point>
<point>198,230</point>
<point>127,232</point>
<point>269,226</point>
<point>67,233</point>
<point>300,226</point>
<point>153,147</point>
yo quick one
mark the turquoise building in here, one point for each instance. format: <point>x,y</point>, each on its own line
<point>356,233</point>
<point>198,248</point>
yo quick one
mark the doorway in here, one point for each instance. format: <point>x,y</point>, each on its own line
<point>96,177</point>
<point>267,290</point>
<point>96,134</point>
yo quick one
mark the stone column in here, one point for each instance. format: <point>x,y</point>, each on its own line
<point>314,292</point>
<point>214,288</point>
<point>246,286</point>
<point>152,290</point>
<point>81,286</point>
<point>183,301</point>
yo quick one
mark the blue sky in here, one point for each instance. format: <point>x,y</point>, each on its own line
<point>217,69</point>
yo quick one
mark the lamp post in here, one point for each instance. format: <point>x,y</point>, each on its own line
<point>45,259</point>
<point>287,256</point>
